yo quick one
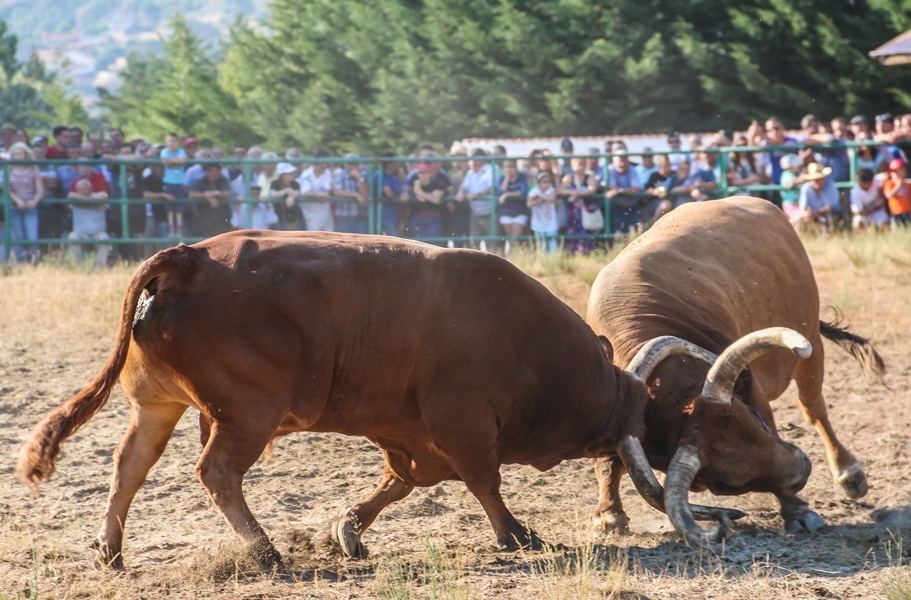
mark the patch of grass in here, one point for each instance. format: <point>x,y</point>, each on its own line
<point>896,580</point>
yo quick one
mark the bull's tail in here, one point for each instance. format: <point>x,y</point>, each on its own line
<point>36,461</point>
<point>869,359</point>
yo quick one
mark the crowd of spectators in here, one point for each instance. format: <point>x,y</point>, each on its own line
<point>181,190</point>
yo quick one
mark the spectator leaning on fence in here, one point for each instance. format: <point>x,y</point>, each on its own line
<point>476,189</point>
<point>542,201</point>
<point>174,159</point>
<point>26,191</point>
<point>898,193</point>
<point>868,205</point>
<point>213,209</point>
<point>86,196</point>
<point>285,192</point>
<point>253,212</point>
<point>351,184</point>
<point>512,187</point>
<point>426,195</point>
<point>819,201</point>
<point>317,188</point>
<point>388,187</point>
<point>153,188</point>
<point>623,185</point>
<point>791,182</point>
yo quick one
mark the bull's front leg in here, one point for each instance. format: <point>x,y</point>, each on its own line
<point>797,515</point>
<point>609,515</point>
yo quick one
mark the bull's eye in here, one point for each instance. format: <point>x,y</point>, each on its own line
<point>756,414</point>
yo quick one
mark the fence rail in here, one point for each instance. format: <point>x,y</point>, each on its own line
<point>375,200</point>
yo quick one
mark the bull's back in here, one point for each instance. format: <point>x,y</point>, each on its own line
<point>351,333</point>
<point>709,272</point>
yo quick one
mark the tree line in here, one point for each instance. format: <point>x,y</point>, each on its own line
<point>345,74</point>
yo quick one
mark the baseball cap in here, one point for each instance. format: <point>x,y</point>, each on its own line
<point>896,163</point>
<point>284,168</point>
<point>189,141</point>
<point>38,139</point>
<point>566,144</point>
<point>858,119</point>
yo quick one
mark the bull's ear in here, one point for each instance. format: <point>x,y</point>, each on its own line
<point>608,348</point>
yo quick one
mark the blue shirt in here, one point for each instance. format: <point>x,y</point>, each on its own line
<point>514,206</point>
<point>173,174</point>
<point>384,179</point>
<point>810,199</point>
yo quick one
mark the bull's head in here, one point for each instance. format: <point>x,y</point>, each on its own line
<point>734,430</point>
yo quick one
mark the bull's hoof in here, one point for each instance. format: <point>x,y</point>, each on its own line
<point>343,533</point>
<point>853,481</point>
<point>265,554</point>
<point>106,557</point>
<point>609,522</point>
<point>527,540</point>
<point>803,522</point>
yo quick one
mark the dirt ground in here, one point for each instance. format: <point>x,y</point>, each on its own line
<point>56,329</point>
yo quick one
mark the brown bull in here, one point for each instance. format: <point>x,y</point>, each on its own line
<point>453,362</point>
<point>707,275</point>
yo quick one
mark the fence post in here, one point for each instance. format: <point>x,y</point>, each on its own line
<point>371,195</point>
<point>7,225</point>
<point>124,204</point>
<point>248,192</point>
<point>723,160</point>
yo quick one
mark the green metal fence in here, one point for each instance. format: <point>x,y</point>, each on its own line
<point>373,166</point>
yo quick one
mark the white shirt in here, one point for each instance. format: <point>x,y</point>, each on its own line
<point>544,216</point>
<point>864,199</point>
<point>317,215</point>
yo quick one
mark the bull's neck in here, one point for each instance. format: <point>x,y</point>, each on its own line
<point>624,416</point>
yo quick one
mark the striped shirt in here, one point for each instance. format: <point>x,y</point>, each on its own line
<point>22,182</point>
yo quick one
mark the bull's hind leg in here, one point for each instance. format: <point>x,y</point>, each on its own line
<point>346,531</point>
<point>147,435</point>
<point>846,470</point>
<point>609,515</point>
<point>231,450</point>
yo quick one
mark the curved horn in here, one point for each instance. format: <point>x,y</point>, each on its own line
<point>719,383</point>
<point>656,350</point>
<point>636,463</point>
<point>640,472</point>
<point>680,475</point>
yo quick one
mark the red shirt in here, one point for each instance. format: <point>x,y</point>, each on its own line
<point>99,183</point>
<point>55,153</point>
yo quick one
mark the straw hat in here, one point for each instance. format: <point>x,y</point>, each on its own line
<point>814,172</point>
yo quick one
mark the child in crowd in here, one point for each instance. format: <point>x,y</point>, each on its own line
<point>898,193</point>
<point>174,159</point>
<point>263,216</point>
<point>867,202</point>
<point>791,180</point>
<point>89,222</point>
<point>542,202</point>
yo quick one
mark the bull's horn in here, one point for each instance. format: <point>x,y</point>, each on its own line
<point>636,463</point>
<point>680,475</point>
<point>640,472</point>
<point>719,383</point>
<point>656,350</point>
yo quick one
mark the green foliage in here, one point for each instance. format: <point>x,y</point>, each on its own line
<point>350,75</point>
<point>178,92</point>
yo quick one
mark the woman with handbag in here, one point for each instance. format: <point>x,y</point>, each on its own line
<point>581,210</point>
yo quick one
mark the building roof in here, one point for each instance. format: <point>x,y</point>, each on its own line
<point>896,51</point>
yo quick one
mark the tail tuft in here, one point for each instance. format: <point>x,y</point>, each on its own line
<point>871,363</point>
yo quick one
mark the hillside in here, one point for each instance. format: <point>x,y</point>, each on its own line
<point>95,36</point>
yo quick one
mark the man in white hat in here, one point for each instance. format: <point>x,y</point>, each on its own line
<point>819,201</point>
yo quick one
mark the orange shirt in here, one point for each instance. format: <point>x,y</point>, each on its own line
<point>900,203</point>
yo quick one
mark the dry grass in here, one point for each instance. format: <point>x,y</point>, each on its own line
<point>56,327</point>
